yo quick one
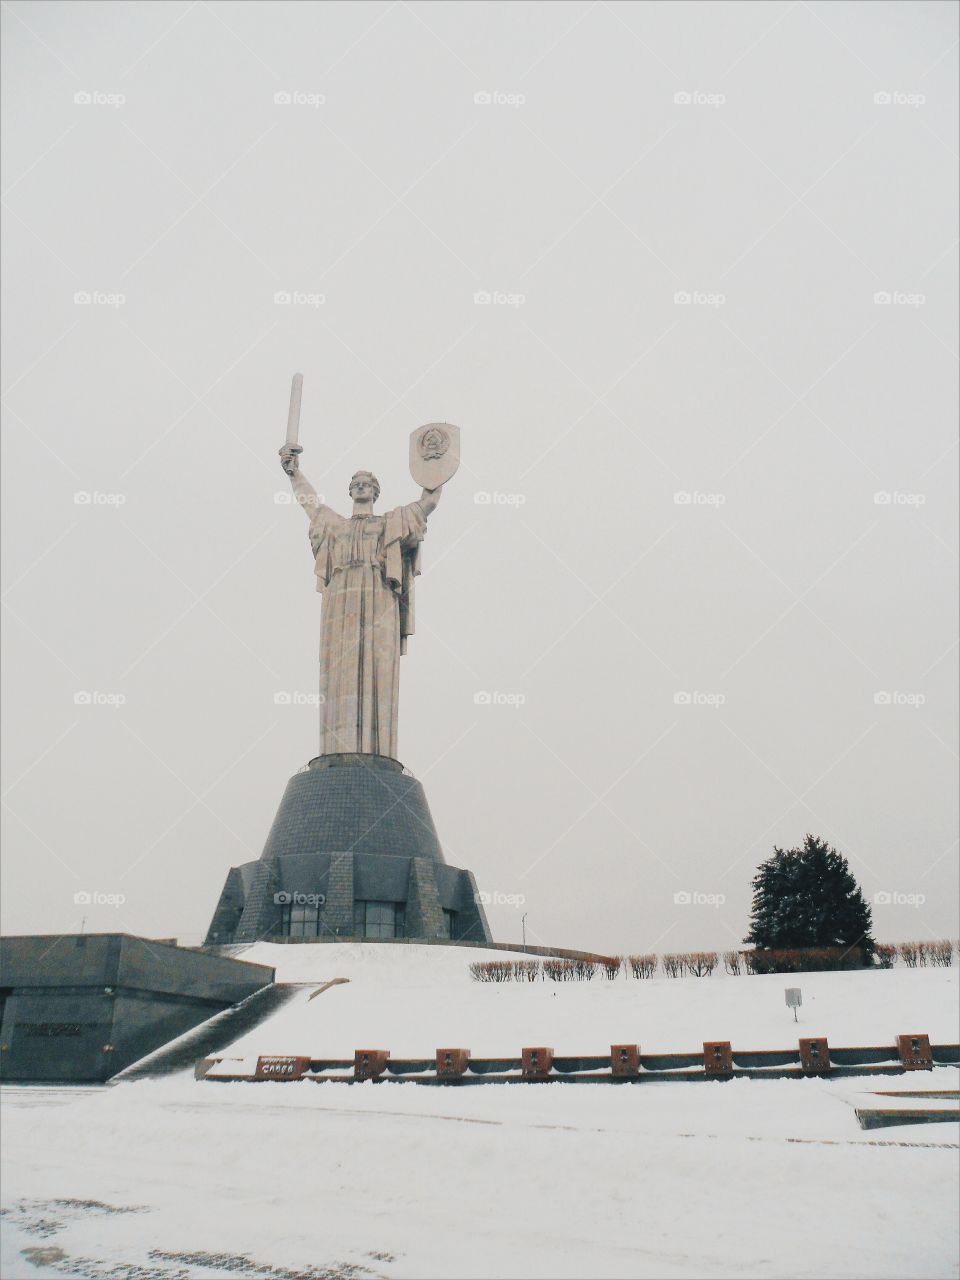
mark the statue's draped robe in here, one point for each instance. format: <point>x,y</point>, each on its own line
<point>365,567</point>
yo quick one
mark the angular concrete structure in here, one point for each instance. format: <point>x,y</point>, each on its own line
<point>352,853</point>
<point>83,1006</point>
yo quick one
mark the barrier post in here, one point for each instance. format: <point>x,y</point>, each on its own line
<point>815,1056</point>
<point>370,1064</point>
<point>717,1058</point>
<point>452,1063</point>
<point>536,1063</point>
<point>915,1053</point>
<point>625,1059</point>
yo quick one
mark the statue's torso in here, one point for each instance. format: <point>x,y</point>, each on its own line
<point>352,540</point>
<point>358,540</point>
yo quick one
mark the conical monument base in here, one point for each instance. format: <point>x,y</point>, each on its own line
<point>352,853</point>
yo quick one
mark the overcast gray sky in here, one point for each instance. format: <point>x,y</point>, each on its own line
<point>716,570</point>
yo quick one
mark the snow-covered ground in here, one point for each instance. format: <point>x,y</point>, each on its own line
<point>413,1000</point>
<point>182,1180</point>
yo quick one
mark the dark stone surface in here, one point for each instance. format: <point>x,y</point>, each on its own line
<point>233,897</point>
<point>350,828</point>
<point>423,887</point>
<point>81,1007</point>
<point>260,911</point>
<point>356,804</point>
<point>340,889</point>
<point>424,907</point>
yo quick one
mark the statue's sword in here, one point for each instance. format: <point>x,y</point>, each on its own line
<point>293,417</point>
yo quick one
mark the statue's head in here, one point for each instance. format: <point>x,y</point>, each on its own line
<point>364,485</point>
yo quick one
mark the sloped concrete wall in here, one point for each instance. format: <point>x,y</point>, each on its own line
<point>83,1006</point>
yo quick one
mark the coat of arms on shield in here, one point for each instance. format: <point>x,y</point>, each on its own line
<point>434,453</point>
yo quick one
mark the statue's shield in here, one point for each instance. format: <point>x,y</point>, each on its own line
<point>434,453</point>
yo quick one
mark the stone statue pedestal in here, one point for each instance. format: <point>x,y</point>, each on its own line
<point>352,853</point>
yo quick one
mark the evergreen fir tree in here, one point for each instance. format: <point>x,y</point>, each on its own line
<point>808,897</point>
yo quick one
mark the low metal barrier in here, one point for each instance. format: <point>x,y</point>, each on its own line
<point>625,1063</point>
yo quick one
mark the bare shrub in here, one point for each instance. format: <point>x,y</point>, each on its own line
<point>732,962</point>
<point>940,953</point>
<point>642,966</point>
<point>612,966</point>
<point>672,965</point>
<point>526,970</point>
<point>885,954</point>
<point>909,953</point>
<point>700,963</point>
<point>584,968</point>
<point>557,969</point>
<point>492,970</point>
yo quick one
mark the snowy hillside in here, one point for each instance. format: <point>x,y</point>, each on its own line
<point>415,999</point>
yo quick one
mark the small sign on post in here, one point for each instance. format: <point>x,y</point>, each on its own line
<point>793,1000</point>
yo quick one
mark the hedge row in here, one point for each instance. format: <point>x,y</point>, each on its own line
<point>804,959</point>
<point>700,964</point>
<point>559,970</point>
<point>938,954</point>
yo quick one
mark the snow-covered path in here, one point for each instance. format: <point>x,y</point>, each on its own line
<point>673,1180</point>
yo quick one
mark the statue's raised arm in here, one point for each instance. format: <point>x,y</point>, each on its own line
<point>429,498</point>
<point>303,490</point>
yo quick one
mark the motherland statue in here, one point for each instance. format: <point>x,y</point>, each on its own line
<point>365,566</point>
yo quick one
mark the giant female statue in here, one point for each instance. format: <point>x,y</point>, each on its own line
<point>365,566</point>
